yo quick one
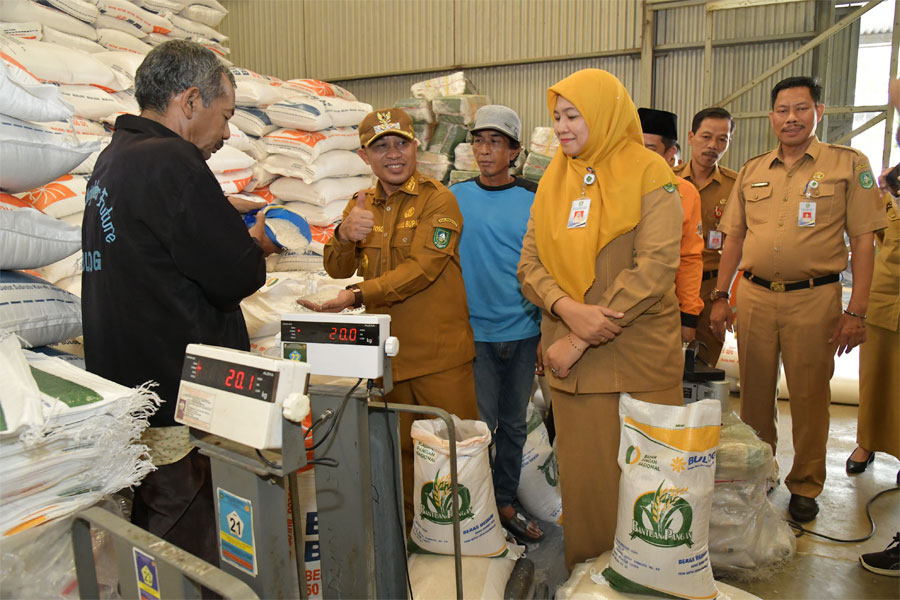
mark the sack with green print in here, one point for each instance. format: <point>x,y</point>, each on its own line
<point>668,459</point>
<point>539,478</point>
<point>481,533</point>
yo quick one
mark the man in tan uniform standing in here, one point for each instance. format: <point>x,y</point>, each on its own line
<point>785,225</point>
<point>710,136</point>
<point>402,236</point>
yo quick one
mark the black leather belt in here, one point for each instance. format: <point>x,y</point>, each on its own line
<point>780,286</point>
<point>710,274</point>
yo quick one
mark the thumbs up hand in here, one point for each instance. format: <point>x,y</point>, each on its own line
<point>359,221</point>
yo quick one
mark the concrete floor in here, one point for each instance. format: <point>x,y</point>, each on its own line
<point>820,569</point>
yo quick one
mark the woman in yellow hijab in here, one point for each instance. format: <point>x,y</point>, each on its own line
<point>599,257</point>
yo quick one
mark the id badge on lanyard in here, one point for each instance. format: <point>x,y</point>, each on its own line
<point>581,207</point>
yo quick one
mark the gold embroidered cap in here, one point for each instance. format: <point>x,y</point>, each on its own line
<point>383,122</point>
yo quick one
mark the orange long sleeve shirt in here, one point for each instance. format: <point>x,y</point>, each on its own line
<point>690,269</point>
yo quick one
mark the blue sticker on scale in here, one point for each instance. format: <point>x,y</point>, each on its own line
<point>236,544</point>
<point>147,575</point>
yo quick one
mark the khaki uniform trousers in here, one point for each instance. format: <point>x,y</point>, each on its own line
<point>587,448</point>
<point>793,327</point>
<point>709,347</point>
<point>879,391</point>
<point>452,390</point>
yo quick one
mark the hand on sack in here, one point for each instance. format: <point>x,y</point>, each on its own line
<point>562,355</point>
<point>258,232</point>
<point>721,318</point>
<point>588,321</point>
<point>242,205</point>
<point>849,333</point>
<point>343,300</point>
<point>359,221</point>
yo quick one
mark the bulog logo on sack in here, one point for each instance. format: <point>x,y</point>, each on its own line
<point>663,518</point>
<point>437,504</point>
<point>550,469</point>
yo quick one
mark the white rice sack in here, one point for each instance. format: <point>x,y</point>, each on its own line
<point>32,154</point>
<point>148,22</point>
<point>108,22</point>
<point>210,17</point>
<point>263,309</point>
<point>84,130</point>
<point>254,89</point>
<point>346,113</point>
<point>321,193</point>
<point>59,198</point>
<point>13,11</point>
<point>50,62</point>
<point>30,30</point>
<point>320,236</point>
<point>86,167</point>
<point>446,85</point>
<point>234,182</point>
<point>113,39</point>
<point>80,9</point>
<point>91,102</point>
<point>543,141</point>
<point>227,159</point>
<point>315,87</point>
<point>237,139</point>
<point>252,121</point>
<point>464,157</point>
<point>310,145</point>
<point>256,148</point>
<point>668,459</point>
<point>434,577</point>
<point>36,310</point>
<point>308,114</point>
<point>538,489</point>
<point>336,163</point>
<point>261,178</point>
<point>319,216</point>
<point>70,266</point>
<point>192,30</point>
<point>75,220</point>
<point>30,239</point>
<point>587,583</point>
<point>286,228</point>
<point>52,36</point>
<point>161,6</point>
<point>124,63</point>
<point>22,398</point>
<point>24,97</point>
<point>479,522</point>
<point>295,261</point>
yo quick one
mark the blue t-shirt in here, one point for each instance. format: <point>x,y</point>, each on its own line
<point>494,223</point>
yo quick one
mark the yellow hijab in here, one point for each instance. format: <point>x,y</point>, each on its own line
<point>625,171</point>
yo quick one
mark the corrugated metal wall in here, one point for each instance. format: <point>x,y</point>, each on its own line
<point>512,50</point>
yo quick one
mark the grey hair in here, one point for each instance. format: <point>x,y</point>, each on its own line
<point>173,67</point>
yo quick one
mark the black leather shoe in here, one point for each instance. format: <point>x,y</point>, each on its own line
<point>803,509</point>
<point>854,467</point>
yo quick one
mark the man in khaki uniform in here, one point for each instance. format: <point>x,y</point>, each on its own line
<point>710,136</point>
<point>402,236</point>
<point>785,225</point>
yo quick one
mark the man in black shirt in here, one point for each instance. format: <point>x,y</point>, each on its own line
<point>167,261</point>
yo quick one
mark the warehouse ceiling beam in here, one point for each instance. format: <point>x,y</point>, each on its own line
<point>895,58</point>
<point>730,4</point>
<point>813,43</point>
<point>829,110</point>
<point>669,4</point>
<point>648,40</point>
<point>864,127</point>
<point>744,41</point>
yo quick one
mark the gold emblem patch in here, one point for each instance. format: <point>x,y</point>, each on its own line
<point>818,176</point>
<point>448,220</point>
<point>409,212</point>
<point>364,264</point>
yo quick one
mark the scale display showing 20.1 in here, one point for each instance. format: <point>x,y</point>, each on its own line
<point>230,377</point>
<point>311,332</point>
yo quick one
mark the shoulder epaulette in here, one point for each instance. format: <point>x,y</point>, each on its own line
<point>729,172</point>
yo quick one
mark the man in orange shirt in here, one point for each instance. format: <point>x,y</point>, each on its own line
<point>660,135</point>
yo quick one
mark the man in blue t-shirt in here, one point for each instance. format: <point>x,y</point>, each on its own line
<point>495,207</point>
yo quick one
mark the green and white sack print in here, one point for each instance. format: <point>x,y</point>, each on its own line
<point>668,459</point>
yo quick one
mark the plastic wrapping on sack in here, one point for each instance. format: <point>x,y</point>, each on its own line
<point>587,583</point>
<point>446,137</point>
<point>454,84</point>
<point>668,459</point>
<point>433,165</point>
<point>479,522</point>
<point>424,132</point>
<point>335,163</point>
<point>30,239</point>
<point>37,311</point>
<point>748,540</point>
<point>535,165</point>
<point>25,10</point>
<point>307,114</point>
<point>418,109</point>
<point>434,577</point>
<point>543,141</point>
<point>24,97</point>
<point>464,158</point>
<point>310,145</point>
<point>457,176</point>
<point>458,109</point>
<point>320,193</point>
<point>539,478</point>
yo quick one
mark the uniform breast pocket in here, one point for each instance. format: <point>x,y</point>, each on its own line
<point>827,202</point>
<point>402,242</point>
<point>369,257</point>
<point>759,205</point>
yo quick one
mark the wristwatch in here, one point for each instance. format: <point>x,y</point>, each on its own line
<point>357,295</point>
<point>716,294</point>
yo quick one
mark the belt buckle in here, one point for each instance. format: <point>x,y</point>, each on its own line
<point>777,286</point>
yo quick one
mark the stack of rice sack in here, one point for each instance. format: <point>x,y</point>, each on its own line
<point>419,110</point>
<point>541,149</point>
<point>747,537</point>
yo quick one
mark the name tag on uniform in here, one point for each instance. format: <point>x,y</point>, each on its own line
<point>807,215</point>
<point>578,216</point>
<point>714,240</point>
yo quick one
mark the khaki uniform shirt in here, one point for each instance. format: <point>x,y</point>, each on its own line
<point>411,271</point>
<point>829,190</point>
<point>635,274</point>
<point>713,195</point>
<point>884,295</point>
